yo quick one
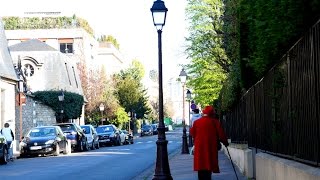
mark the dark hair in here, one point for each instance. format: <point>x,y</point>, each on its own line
<point>6,125</point>
<point>196,111</point>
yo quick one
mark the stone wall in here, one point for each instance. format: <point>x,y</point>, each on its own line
<point>33,114</point>
<point>275,168</point>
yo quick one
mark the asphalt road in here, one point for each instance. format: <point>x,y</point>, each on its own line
<point>107,163</point>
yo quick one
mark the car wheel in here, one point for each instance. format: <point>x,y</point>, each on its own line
<point>67,149</point>
<point>22,155</point>
<point>80,146</point>
<point>118,141</point>
<point>121,143</point>
<point>86,145</point>
<point>57,152</point>
<point>98,145</point>
<point>93,147</point>
<point>4,158</point>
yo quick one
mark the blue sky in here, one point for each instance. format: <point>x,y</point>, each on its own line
<point>129,21</point>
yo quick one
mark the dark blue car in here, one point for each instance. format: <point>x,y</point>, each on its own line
<point>76,135</point>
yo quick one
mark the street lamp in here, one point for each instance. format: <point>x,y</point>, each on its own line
<point>101,107</point>
<point>185,148</point>
<point>189,99</point>
<point>61,99</point>
<point>162,169</point>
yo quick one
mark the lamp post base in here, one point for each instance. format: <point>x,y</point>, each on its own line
<point>162,170</point>
<point>185,148</point>
<point>190,140</point>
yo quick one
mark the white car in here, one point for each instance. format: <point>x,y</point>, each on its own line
<point>122,137</point>
<point>92,136</point>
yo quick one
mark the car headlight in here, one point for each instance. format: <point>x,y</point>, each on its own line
<point>23,144</point>
<point>50,142</point>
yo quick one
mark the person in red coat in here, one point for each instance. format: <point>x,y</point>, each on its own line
<point>205,131</point>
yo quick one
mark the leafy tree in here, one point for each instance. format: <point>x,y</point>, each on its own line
<point>120,119</point>
<point>205,39</point>
<point>209,63</point>
<point>129,90</point>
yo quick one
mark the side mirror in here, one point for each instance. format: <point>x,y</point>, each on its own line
<point>83,130</point>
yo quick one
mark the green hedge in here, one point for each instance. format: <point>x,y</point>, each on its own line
<point>72,104</point>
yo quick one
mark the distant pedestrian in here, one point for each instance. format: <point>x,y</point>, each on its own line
<point>196,115</point>
<point>206,131</point>
<point>8,134</point>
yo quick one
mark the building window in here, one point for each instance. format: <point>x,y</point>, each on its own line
<point>28,70</point>
<point>66,48</point>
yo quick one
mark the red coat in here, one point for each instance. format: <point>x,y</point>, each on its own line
<point>204,132</point>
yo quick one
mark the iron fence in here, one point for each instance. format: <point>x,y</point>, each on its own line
<point>280,114</point>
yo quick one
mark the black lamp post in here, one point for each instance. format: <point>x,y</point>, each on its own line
<point>101,107</point>
<point>185,148</point>
<point>61,99</point>
<point>162,169</point>
<point>189,99</point>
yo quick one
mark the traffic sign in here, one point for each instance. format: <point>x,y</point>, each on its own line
<point>193,106</point>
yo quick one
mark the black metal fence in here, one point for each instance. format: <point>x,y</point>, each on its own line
<point>280,114</point>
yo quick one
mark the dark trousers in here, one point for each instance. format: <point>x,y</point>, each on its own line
<point>204,175</point>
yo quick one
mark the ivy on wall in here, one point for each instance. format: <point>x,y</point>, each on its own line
<point>71,106</point>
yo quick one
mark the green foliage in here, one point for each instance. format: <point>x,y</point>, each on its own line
<point>121,118</point>
<point>72,104</point>
<point>269,28</point>
<point>209,63</point>
<point>205,39</point>
<point>257,34</point>
<point>14,23</point>
<point>230,91</point>
<point>111,39</point>
<point>205,80</point>
<point>132,96</point>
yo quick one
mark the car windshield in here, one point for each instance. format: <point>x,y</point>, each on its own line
<point>104,129</point>
<point>67,127</point>
<point>86,128</point>
<point>41,132</point>
<point>146,127</point>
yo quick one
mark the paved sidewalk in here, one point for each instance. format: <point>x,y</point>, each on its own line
<point>181,167</point>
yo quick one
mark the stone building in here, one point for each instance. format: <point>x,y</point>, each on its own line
<point>8,83</point>
<point>44,69</point>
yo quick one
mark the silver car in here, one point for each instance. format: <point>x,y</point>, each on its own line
<point>92,136</point>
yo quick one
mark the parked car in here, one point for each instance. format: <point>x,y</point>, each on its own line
<point>128,137</point>
<point>76,135</point>
<point>122,137</point>
<point>92,136</point>
<point>108,135</point>
<point>146,130</point>
<point>3,150</point>
<point>44,140</point>
<point>154,128</point>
